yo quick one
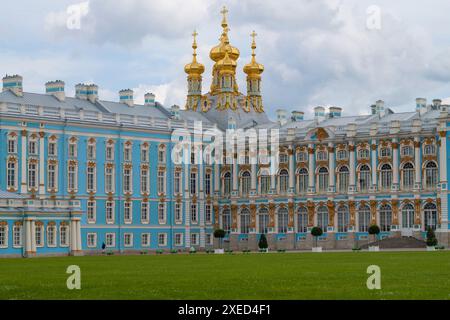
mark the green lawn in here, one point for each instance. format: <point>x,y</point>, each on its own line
<point>405,275</point>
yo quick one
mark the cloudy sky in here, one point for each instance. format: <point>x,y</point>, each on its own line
<point>316,52</point>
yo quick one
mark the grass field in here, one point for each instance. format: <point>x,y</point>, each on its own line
<point>404,275</point>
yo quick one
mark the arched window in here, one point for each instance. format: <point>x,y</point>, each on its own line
<point>343,219</point>
<point>245,183</point>
<point>386,177</point>
<point>408,176</point>
<point>322,179</point>
<point>385,217</point>
<point>283,181</point>
<point>302,219</point>
<point>363,218</point>
<point>227,184</point>
<point>282,220</point>
<point>245,221</point>
<point>430,214</point>
<point>343,178</point>
<point>408,216</point>
<point>364,178</point>
<point>302,183</point>
<point>322,218</point>
<point>263,220</point>
<point>226,220</point>
<point>431,175</point>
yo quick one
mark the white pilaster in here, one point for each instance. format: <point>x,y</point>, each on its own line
<point>291,171</point>
<point>27,228</point>
<point>395,163</point>
<point>311,180</point>
<point>352,174</point>
<point>332,167</point>
<point>41,164</point>
<point>23,164</point>
<point>33,235</point>
<point>374,166</point>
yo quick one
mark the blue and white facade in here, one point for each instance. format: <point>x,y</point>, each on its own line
<point>79,172</point>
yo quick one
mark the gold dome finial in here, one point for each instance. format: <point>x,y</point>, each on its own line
<point>224,20</point>
<point>254,68</point>
<point>194,68</point>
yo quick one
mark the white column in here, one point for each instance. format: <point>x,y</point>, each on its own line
<point>27,227</point>
<point>235,175</point>
<point>78,231</point>
<point>311,180</point>
<point>73,236</point>
<point>374,165</point>
<point>417,164</point>
<point>352,175</point>
<point>33,235</point>
<point>291,170</point>
<point>41,164</point>
<point>332,167</point>
<point>395,163</point>
<point>187,209</point>
<point>23,163</point>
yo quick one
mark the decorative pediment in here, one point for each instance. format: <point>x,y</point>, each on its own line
<point>319,134</point>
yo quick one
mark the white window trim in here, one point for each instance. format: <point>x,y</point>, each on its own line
<point>130,220</point>
<point>91,221</point>
<point>113,240</point>
<point>5,245</point>
<point>149,240</point>
<point>67,236</point>
<point>165,239</point>
<point>95,240</point>
<point>130,245</point>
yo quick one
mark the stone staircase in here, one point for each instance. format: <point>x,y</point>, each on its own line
<point>397,243</point>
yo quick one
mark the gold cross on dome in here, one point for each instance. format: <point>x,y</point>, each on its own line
<point>224,12</point>
<point>253,35</point>
<point>195,34</point>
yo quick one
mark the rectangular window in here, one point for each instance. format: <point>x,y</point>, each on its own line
<point>162,213</point>
<point>144,155</point>
<point>161,182</point>
<point>11,175</point>
<point>208,239</point>
<point>161,156</point>
<point>51,236</point>
<point>72,178</point>
<point>38,236</point>
<point>110,240</point>
<point>64,236</point>
<point>109,212</point>
<point>32,147</point>
<point>72,150</point>
<point>12,146</point>
<point>109,179</point>
<point>145,240</point>
<point>17,236</point>
<point>162,239</point>
<point>194,215</point>
<point>52,149</point>
<point>144,181</point>
<point>92,240</point>
<point>32,175</point>
<point>177,182</point>
<point>127,212</point>
<point>109,153</point>
<point>208,183</point>
<point>91,211</point>
<point>194,239</point>
<point>144,212</point>
<point>128,239</point>
<point>127,153</point>
<point>90,179</point>
<point>127,180</point>
<point>178,239</point>
<point>3,236</point>
<point>208,214</point>
<point>178,217</point>
<point>193,183</point>
<point>91,152</point>
<point>51,176</point>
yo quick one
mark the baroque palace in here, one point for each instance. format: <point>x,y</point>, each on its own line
<point>79,172</point>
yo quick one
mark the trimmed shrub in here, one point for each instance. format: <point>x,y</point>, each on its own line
<point>431,238</point>
<point>262,244</point>
<point>316,232</point>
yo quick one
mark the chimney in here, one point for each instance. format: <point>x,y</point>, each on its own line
<point>319,114</point>
<point>81,91</point>
<point>298,116</point>
<point>86,92</point>
<point>126,96</point>
<point>421,105</point>
<point>175,112</point>
<point>378,108</point>
<point>149,99</point>
<point>334,112</point>
<point>92,92</point>
<point>56,89</point>
<point>281,116</point>
<point>14,84</point>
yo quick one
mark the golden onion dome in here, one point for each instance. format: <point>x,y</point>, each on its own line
<point>253,68</point>
<point>226,64</point>
<point>217,53</point>
<point>194,68</point>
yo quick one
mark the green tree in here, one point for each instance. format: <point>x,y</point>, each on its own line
<point>262,244</point>
<point>431,238</point>
<point>316,232</point>
<point>374,230</point>
<point>219,234</point>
